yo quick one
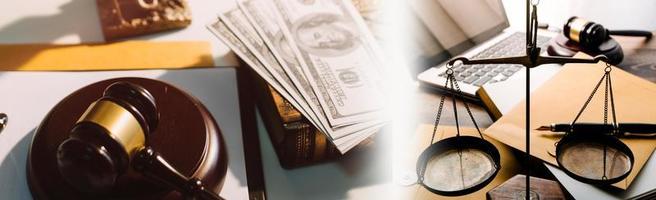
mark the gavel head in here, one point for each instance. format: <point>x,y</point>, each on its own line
<point>106,136</point>
<point>586,33</point>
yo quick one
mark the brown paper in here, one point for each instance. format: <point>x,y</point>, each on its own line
<point>111,56</point>
<point>561,98</point>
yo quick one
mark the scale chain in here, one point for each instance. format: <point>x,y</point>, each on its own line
<point>439,113</point>
<point>585,105</point>
<point>468,110</point>
<point>453,84</point>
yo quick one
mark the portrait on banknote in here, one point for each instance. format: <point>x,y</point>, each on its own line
<point>325,34</point>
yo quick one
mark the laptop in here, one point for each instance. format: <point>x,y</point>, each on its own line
<point>475,29</point>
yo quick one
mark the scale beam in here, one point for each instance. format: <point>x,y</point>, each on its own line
<point>527,61</point>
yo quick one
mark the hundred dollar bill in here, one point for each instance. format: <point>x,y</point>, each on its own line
<point>338,56</point>
<point>220,29</point>
<point>348,142</point>
<point>263,18</point>
<point>241,27</point>
<point>266,25</point>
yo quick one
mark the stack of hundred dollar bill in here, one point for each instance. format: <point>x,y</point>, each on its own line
<point>319,55</point>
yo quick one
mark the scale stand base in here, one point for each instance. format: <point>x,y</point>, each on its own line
<point>514,188</point>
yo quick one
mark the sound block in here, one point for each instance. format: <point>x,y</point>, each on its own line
<point>515,188</point>
<point>561,46</point>
<point>187,137</point>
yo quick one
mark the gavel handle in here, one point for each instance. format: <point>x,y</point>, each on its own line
<point>149,163</point>
<point>646,34</point>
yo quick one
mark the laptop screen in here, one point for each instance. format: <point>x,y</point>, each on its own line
<point>450,27</point>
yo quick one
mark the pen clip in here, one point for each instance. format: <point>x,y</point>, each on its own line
<point>3,121</point>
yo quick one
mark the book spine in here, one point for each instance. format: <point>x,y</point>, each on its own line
<point>305,146</point>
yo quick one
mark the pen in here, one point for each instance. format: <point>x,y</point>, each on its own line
<point>3,121</point>
<point>622,130</point>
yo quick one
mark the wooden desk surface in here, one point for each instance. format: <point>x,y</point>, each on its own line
<point>632,44</point>
<point>639,56</point>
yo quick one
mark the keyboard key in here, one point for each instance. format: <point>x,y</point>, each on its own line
<point>483,80</point>
<point>491,73</point>
<point>471,71</point>
<point>507,73</point>
<point>513,68</point>
<point>471,79</point>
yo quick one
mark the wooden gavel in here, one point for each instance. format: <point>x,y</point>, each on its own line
<point>110,137</point>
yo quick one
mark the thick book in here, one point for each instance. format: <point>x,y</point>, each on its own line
<point>296,141</point>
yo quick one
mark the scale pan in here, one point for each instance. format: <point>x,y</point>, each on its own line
<point>581,155</point>
<point>458,165</point>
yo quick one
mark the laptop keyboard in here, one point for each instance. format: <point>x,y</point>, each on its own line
<point>478,75</point>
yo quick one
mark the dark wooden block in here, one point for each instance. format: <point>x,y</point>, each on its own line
<point>125,18</point>
<point>514,187</point>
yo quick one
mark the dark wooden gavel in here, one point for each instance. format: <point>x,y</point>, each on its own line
<point>590,34</point>
<point>110,137</point>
